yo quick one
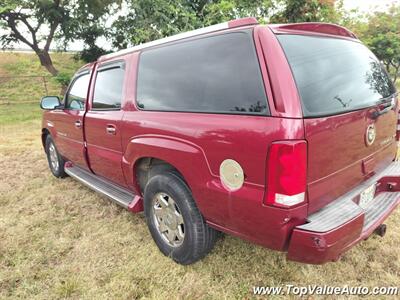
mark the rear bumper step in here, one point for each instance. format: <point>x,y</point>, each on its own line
<point>119,195</point>
<point>342,223</point>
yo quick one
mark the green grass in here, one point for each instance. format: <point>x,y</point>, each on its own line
<point>30,89</point>
<point>27,89</point>
<point>27,64</point>
<point>17,113</point>
<point>20,96</point>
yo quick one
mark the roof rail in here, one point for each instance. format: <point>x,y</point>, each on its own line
<point>325,28</point>
<point>204,30</point>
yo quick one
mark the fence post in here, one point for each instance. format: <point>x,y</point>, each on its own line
<point>45,85</point>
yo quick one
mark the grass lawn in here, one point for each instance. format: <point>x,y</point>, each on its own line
<point>59,239</point>
<point>16,113</point>
<point>20,96</point>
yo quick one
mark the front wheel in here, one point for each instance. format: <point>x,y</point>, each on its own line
<point>55,160</point>
<point>174,220</point>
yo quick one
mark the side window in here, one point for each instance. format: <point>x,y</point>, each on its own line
<point>108,88</point>
<point>218,74</point>
<point>77,93</point>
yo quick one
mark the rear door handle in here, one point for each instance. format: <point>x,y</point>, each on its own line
<point>78,124</point>
<point>110,129</point>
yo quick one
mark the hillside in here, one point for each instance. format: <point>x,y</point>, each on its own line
<point>23,81</point>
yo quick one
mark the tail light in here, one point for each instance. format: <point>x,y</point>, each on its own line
<point>286,173</point>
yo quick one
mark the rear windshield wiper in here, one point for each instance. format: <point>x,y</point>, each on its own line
<point>384,105</point>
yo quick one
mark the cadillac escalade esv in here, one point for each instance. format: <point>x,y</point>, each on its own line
<point>283,135</point>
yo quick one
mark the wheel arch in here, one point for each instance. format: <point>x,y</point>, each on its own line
<point>146,167</point>
<point>186,158</point>
<point>45,133</point>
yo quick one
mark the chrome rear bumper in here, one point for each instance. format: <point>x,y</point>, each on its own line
<point>346,207</point>
<point>341,224</point>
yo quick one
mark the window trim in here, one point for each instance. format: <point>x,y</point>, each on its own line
<point>249,31</point>
<point>74,79</point>
<point>115,64</point>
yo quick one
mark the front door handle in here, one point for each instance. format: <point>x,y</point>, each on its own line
<point>78,124</point>
<point>110,129</point>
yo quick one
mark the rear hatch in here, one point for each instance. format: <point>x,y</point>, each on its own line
<point>350,112</point>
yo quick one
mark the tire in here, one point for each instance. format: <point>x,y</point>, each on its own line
<point>198,238</point>
<point>55,160</point>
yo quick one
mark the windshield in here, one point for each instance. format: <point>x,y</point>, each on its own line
<point>335,75</point>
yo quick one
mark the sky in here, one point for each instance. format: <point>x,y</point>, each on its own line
<point>368,5</point>
<point>362,6</point>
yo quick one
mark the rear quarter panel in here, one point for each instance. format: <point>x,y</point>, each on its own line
<point>196,144</point>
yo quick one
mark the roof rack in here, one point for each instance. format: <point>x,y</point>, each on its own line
<point>208,29</point>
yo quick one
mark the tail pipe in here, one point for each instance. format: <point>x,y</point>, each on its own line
<point>381,230</point>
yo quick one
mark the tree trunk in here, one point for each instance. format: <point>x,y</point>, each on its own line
<point>63,90</point>
<point>45,61</point>
<point>396,74</point>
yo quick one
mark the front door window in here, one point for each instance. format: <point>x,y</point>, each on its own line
<point>76,96</point>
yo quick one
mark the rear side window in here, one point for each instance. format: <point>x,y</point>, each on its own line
<point>335,75</point>
<point>218,74</point>
<point>108,88</point>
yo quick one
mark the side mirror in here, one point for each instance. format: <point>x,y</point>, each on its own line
<point>50,102</point>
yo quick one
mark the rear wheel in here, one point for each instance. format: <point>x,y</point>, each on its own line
<point>174,220</point>
<point>55,160</point>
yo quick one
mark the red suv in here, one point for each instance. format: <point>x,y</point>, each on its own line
<point>283,135</point>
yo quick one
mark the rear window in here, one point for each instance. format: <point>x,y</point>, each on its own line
<point>335,75</point>
<point>218,74</point>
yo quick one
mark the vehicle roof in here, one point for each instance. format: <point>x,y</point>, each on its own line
<point>180,36</point>
<point>85,67</point>
<point>312,27</point>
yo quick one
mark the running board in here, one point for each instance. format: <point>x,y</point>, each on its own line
<point>119,195</point>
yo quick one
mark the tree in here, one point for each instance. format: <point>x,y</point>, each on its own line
<point>32,15</point>
<point>148,20</point>
<point>308,11</point>
<point>88,22</point>
<point>225,10</point>
<point>381,33</point>
<point>37,23</point>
